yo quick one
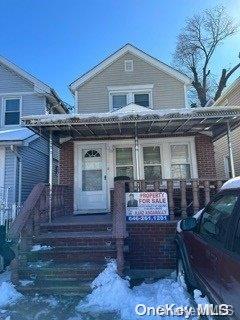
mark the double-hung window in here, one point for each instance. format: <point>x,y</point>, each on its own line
<point>152,163</point>
<point>119,97</point>
<point>124,162</point>
<point>12,111</point>
<point>180,161</point>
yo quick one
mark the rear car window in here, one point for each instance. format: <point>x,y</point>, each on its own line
<point>216,218</point>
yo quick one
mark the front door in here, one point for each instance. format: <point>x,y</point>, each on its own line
<point>91,191</point>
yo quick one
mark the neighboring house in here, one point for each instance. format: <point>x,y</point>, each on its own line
<point>24,156</point>
<point>230,97</point>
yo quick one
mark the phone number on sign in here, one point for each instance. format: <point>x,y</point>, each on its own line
<point>148,218</point>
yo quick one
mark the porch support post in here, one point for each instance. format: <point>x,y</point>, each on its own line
<point>230,151</point>
<point>50,175</point>
<point>137,153</point>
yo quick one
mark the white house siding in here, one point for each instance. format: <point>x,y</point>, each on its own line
<point>10,82</point>
<point>168,92</point>
<point>10,174</point>
<point>232,98</point>
<point>221,152</point>
<point>34,165</point>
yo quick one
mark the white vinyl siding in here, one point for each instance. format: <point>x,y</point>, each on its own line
<point>93,96</point>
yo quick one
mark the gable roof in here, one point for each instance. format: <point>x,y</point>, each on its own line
<point>39,86</point>
<point>228,90</point>
<point>129,48</point>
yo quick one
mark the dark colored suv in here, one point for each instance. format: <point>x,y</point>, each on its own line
<point>209,250</point>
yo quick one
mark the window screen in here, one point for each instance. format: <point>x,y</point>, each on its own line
<point>12,111</point>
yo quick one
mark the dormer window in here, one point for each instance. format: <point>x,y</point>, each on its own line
<point>119,97</point>
<point>12,111</point>
<point>128,65</point>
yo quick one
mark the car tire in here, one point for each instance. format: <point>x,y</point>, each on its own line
<point>182,275</point>
<point>2,264</point>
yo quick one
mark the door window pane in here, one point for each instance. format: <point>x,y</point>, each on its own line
<point>152,163</point>
<point>12,111</point>
<point>180,162</point>
<point>124,162</point>
<point>91,170</point>
<point>217,217</point>
<point>119,101</point>
<point>142,99</point>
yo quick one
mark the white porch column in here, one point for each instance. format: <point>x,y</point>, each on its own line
<point>50,175</point>
<point>137,153</point>
<point>230,151</point>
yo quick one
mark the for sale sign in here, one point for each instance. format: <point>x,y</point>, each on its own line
<point>147,206</point>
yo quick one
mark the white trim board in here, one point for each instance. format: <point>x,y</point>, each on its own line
<point>128,48</point>
<point>2,166</point>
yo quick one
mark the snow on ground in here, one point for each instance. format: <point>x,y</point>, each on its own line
<point>231,184</point>
<point>111,298</point>
<point>8,293</point>
<point>38,247</point>
<point>112,293</point>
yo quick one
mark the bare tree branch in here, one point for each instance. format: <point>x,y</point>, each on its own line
<point>196,45</point>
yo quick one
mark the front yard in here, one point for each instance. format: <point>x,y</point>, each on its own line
<point>111,298</point>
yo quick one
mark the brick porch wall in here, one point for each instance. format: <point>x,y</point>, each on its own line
<point>66,167</point>
<point>205,157</point>
<point>151,245</point>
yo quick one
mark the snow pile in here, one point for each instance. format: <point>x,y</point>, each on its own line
<point>38,247</point>
<point>9,294</point>
<point>112,293</point>
<point>231,184</point>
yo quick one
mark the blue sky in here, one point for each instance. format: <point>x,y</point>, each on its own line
<point>57,40</point>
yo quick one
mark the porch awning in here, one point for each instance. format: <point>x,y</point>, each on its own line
<point>17,136</point>
<point>134,119</point>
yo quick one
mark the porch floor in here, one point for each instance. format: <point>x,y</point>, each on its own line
<point>94,219</point>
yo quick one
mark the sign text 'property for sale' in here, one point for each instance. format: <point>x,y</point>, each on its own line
<point>147,206</point>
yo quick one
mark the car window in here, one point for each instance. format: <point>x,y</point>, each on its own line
<point>236,246</point>
<point>216,218</point>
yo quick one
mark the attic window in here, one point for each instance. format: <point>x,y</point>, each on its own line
<point>128,64</point>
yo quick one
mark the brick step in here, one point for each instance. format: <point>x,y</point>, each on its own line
<point>73,254</point>
<point>77,290</point>
<point>75,238</point>
<point>59,227</point>
<point>42,271</point>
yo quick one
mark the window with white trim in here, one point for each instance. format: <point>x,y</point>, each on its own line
<point>128,65</point>
<point>12,111</point>
<point>141,95</point>
<point>180,161</point>
<point>124,162</point>
<point>152,163</point>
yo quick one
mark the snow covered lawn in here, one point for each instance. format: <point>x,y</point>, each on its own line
<point>112,298</point>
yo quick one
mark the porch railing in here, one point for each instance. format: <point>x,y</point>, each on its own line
<point>36,209</point>
<point>185,197</point>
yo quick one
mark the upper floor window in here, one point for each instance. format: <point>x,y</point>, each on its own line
<point>121,96</point>
<point>12,111</point>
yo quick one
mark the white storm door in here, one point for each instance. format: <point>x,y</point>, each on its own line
<point>92,187</point>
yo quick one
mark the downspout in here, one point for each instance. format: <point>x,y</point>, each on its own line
<point>230,151</point>
<point>19,159</point>
<point>50,175</point>
<point>137,153</point>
